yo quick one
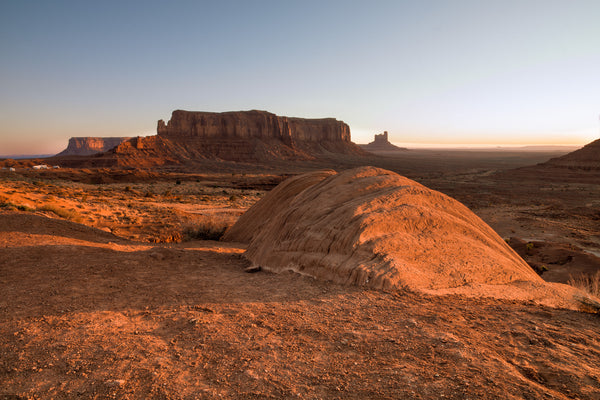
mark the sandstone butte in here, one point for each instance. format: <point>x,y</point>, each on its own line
<point>241,136</point>
<point>381,143</point>
<point>85,146</point>
<point>374,228</point>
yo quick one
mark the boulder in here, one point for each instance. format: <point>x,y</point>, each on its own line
<point>374,228</point>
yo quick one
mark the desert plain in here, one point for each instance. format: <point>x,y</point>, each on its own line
<point>115,285</point>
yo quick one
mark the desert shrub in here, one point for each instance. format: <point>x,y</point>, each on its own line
<point>71,215</point>
<point>178,182</point>
<point>529,246</point>
<point>589,283</point>
<point>207,227</point>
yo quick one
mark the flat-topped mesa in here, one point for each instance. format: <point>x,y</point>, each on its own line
<point>84,146</point>
<point>252,124</point>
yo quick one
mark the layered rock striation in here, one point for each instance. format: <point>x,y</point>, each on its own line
<point>252,124</point>
<point>255,136</point>
<point>85,146</point>
<point>371,227</point>
<point>192,137</point>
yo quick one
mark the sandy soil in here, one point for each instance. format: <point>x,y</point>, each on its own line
<point>86,314</point>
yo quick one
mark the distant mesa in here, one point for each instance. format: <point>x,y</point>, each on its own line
<point>239,136</point>
<point>586,158</point>
<point>371,227</point>
<point>381,144</point>
<point>85,146</point>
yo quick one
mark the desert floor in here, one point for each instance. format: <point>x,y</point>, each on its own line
<point>108,291</point>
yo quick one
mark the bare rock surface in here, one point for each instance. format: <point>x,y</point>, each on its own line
<point>374,228</point>
<point>253,220</point>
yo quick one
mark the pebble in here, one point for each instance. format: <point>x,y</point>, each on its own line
<point>115,382</point>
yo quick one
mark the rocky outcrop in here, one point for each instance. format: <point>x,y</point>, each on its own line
<point>85,146</point>
<point>381,143</point>
<point>374,228</point>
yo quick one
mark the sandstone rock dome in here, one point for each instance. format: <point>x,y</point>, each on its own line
<point>372,227</point>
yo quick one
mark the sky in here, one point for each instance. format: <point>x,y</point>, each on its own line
<point>453,72</point>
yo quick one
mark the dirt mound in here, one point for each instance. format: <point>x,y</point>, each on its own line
<point>375,228</point>
<point>30,225</point>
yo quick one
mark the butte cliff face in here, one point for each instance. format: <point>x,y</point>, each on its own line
<point>252,124</point>
<point>85,146</point>
<point>241,136</point>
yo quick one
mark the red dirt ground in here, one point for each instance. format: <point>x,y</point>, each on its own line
<point>85,314</point>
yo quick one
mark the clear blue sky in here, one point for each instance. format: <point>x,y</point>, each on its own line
<point>454,72</point>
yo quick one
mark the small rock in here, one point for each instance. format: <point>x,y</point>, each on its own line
<point>253,268</point>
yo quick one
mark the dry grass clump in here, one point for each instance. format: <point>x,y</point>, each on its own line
<point>589,283</point>
<point>7,205</point>
<point>71,215</point>
<point>207,227</point>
